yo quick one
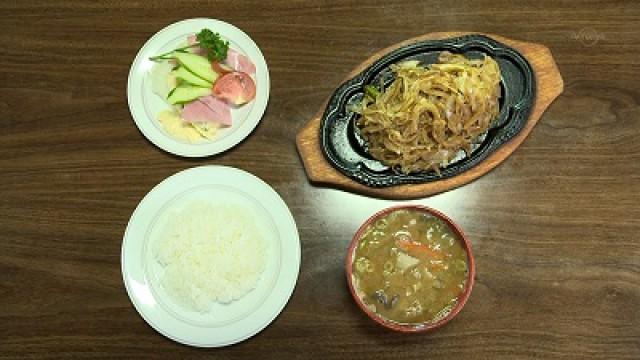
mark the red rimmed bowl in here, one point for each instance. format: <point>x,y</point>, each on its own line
<point>419,327</point>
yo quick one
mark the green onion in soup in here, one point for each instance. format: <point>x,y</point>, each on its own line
<point>410,267</point>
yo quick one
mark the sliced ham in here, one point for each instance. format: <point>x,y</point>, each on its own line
<point>207,109</point>
<point>236,88</point>
<point>234,60</point>
<point>218,106</point>
<point>192,39</point>
<point>239,62</point>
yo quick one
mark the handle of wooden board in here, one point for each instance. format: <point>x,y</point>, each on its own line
<point>549,85</point>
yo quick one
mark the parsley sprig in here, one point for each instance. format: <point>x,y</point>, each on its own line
<point>211,42</point>
<point>216,47</point>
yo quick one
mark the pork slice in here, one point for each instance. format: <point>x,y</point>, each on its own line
<point>239,62</point>
<point>207,109</point>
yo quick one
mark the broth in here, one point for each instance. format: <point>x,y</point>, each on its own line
<point>410,267</point>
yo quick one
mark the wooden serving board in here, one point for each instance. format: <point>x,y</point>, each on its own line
<point>549,85</point>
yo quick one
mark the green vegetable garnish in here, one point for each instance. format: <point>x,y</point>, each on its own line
<point>211,42</point>
<point>216,47</point>
<point>371,91</point>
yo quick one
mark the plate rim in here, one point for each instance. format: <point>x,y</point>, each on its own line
<point>202,149</point>
<point>294,262</point>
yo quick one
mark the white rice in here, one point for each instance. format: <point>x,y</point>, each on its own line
<point>210,254</point>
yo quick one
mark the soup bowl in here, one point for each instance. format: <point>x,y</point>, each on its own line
<point>411,327</point>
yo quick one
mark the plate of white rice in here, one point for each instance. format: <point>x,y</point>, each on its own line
<point>203,256</point>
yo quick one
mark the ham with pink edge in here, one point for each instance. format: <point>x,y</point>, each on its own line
<point>235,60</point>
<point>239,62</point>
<point>207,109</point>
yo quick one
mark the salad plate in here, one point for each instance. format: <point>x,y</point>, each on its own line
<point>225,323</point>
<point>145,104</point>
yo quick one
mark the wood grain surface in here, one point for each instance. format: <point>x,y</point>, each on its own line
<point>549,85</point>
<point>554,228</point>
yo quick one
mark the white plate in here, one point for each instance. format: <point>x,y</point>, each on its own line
<point>145,105</point>
<point>224,324</point>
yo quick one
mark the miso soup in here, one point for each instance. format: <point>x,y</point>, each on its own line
<point>410,267</point>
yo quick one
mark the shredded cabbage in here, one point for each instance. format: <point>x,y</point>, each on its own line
<point>428,114</point>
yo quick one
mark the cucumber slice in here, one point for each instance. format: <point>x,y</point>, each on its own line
<point>184,94</point>
<point>198,65</point>
<point>188,77</point>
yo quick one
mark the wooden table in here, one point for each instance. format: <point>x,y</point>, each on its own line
<point>554,228</point>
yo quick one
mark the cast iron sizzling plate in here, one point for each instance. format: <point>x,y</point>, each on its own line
<point>346,150</point>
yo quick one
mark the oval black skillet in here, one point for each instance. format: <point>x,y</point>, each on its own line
<point>346,150</point>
